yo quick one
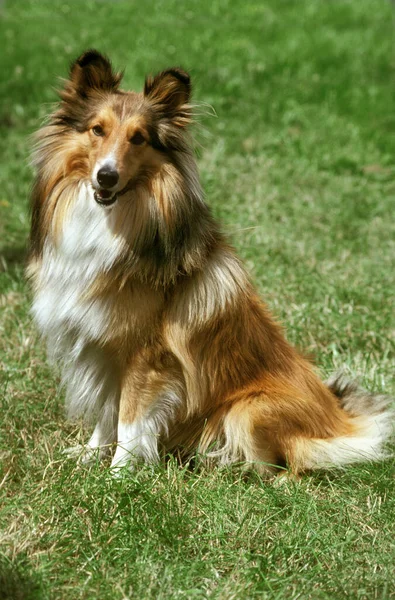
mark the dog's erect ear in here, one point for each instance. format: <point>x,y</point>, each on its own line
<point>170,89</point>
<point>92,70</point>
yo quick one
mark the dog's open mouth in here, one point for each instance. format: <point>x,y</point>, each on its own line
<point>105,197</point>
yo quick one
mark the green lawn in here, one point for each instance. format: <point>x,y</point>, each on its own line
<point>298,163</point>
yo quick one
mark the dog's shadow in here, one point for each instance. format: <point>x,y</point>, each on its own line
<point>11,257</point>
<point>19,580</point>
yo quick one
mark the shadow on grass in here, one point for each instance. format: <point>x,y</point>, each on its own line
<point>12,257</point>
<point>19,580</point>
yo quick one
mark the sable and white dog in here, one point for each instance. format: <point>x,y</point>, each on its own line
<point>157,328</point>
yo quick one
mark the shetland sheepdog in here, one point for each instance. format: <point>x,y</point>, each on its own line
<point>161,339</point>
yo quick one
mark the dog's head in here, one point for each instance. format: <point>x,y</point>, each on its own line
<point>121,136</point>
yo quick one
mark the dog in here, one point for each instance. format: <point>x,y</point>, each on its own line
<point>162,341</point>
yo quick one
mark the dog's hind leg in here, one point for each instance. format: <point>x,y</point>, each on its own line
<point>272,424</point>
<point>242,437</point>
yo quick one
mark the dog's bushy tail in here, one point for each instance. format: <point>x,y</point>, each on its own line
<point>354,399</point>
<point>372,419</point>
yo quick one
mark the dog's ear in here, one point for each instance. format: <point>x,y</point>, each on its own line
<point>93,71</point>
<point>170,90</point>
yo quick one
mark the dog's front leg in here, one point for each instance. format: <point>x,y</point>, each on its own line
<point>104,435</point>
<point>92,391</point>
<point>136,440</point>
<point>152,395</point>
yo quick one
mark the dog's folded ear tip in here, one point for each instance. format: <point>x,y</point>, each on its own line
<point>91,56</point>
<point>180,74</point>
<point>171,73</point>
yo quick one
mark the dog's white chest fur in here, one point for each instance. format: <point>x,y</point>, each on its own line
<point>87,247</point>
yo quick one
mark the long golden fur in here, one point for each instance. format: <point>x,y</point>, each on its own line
<point>158,330</point>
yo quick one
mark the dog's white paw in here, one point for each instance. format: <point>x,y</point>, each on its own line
<point>117,472</point>
<point>285,480</point>
<point>84,454</point>
<point>73,451</point>
<point>124,462</point>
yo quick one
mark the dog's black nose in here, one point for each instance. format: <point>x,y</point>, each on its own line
<point>107,178</point>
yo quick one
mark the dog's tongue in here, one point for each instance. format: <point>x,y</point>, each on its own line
<point>105,194</point>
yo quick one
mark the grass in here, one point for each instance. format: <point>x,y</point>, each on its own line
<point>299,166</point>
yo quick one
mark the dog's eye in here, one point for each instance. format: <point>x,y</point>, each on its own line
<point>98,130</point>
<point>137,139</point>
